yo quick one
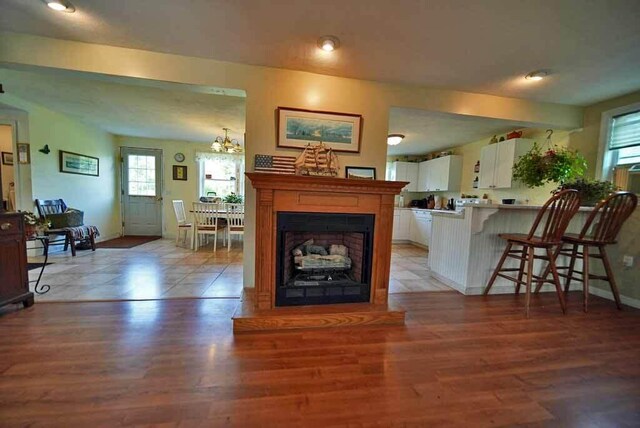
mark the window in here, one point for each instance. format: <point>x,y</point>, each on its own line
<point>141,172</point>
<point>619,156</point>
<point>221,175</point>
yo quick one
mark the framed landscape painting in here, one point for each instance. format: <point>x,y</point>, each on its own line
<point>75,163</point>
<point>339,131</point>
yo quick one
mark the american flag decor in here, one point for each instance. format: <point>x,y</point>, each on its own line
<point>275,164</point>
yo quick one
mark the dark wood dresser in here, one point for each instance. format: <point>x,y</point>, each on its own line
<point>14,277</point>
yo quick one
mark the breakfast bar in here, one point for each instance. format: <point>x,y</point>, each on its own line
<point>466,247</point>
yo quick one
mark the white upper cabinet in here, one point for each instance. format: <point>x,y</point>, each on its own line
<point>405,171</point>
<point>440,175</point>
<point>496,163</point>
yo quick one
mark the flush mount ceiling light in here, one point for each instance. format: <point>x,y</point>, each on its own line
<point>537,75</point>
<point>328,43</point>
<point>60,5</point>
<point>394,139</point>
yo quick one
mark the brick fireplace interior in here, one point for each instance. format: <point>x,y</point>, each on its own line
<point>323,258</point>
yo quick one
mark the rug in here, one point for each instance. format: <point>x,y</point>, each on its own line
<point>31,266</point>
<point>127,241</point>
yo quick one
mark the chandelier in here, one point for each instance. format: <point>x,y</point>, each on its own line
<point>226,145</point>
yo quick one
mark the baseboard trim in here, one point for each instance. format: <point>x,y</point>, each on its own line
<point>607,294</point>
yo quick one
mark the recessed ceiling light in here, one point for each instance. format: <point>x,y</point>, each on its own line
<point>328,43</point>
<point>60,5</point>
<point>394,139</point>
<point>537,75</point>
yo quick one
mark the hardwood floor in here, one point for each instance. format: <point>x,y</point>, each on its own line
<point>459,361</point>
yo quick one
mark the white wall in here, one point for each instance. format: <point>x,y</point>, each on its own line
<point>96,196</point>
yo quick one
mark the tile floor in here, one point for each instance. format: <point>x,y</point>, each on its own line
<point>160,270</point>
<point>409,272</point>
<point>156,270</point>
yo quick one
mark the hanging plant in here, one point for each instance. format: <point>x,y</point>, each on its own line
<point>555,165</point>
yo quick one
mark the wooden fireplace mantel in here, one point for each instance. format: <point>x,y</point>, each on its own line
<point>294,193</point>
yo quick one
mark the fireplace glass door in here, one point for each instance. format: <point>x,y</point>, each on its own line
<point>323,258</point>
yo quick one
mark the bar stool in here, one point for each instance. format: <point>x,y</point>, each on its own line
<point>601,229</point>
<point>557,212</point>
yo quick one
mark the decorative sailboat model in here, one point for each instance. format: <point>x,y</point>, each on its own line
<point>317,160</point>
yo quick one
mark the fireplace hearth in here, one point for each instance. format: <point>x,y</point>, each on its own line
<point>323,258</point>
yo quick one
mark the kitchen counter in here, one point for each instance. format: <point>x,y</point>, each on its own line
<point>465,248</point>
<point>516,207</point>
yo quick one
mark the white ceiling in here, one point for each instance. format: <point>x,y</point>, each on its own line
<point>591,47</point>
<point>132,107</point>
<point>427,131</point>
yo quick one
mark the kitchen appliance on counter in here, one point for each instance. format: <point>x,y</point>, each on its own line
<point>459,203</point>
<point>419,203</point>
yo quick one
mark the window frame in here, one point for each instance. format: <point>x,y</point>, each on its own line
<point>608,159</point>
<point>239,182</point>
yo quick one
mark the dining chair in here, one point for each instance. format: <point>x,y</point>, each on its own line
<point>546,233</point>
<point>208,220</point>
<point>183,225</point>
<point>600,229</point>
<point>235,221</point>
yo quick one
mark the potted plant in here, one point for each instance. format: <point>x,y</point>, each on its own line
<point>556,165</point>
<point>34,225</point>
<point>232,198</point>
<point>591,191</point>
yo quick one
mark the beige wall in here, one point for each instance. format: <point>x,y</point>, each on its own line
<point>96,196</point>
<point>588,139</point>
<point>183,190</point>
<point>268,88</point>
<point>6,171</point>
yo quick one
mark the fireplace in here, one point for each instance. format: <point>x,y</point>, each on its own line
<point>301,216</point>
<point>323,258</point>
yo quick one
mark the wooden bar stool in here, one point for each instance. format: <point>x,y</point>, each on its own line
<point>557,212</point>
<point>601,229</point>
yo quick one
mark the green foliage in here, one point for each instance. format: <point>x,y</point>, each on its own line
<point>232,198</point>
<point>591,191</point>
<point>556,165</point>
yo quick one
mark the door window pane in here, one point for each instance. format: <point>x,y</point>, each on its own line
<point>142,175</point>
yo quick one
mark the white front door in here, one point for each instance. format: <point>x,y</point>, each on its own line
<point>141,191</point>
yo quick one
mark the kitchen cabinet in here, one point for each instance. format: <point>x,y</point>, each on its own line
<point>496,163</point>
<point>405,171</point>
<point>420,227</point>
<point>401,224</point>
<point>440,174</point>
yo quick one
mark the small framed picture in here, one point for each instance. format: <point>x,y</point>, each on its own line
<point>360,173</point>
<point>180,172</point>
<point>7,158</point>
<point>24,153</point>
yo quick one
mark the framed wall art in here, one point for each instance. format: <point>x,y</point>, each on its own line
<point>360,173</point>
<point>75,163</point>
<point>7,158</point>
<point>24,153</point>
<point>297,128</point>
<point>180,172</point>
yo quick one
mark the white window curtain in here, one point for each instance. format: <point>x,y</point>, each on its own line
<point>220,172</point>
<point>625,131</point>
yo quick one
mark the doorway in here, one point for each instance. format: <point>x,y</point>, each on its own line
<point>141,191</point>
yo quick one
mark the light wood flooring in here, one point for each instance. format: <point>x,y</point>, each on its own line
<point>460,361</point>
<point>161,270</point>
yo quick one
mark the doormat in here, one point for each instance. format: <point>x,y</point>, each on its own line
<point>127,241</point>
<point>32,266</point>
